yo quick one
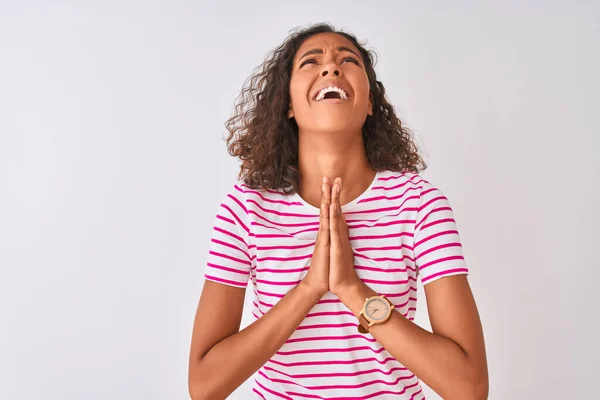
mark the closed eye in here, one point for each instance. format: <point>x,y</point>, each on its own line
<point>308,61</point>
<point>351,59</point>
<point>314,61</point>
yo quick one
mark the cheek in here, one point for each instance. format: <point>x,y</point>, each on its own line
<point>364,88</point>
<point>298,89</point>
<point>360,84</point>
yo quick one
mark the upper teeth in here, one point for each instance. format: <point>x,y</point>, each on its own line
<point>331,89</point>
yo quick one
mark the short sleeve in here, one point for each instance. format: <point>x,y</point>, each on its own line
<point>229,260</point>
<point>437,247</point>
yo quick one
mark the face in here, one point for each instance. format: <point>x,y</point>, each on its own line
<point>329,87</point>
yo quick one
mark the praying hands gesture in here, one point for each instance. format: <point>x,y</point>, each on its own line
<point>332,263</point>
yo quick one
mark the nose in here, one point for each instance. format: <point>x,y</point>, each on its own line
<point>326,70</point>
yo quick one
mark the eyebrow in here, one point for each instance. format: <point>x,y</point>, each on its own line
<point>320,51</point>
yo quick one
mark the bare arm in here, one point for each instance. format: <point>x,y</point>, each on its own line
<point>452,359</point>
<point>221,358</point>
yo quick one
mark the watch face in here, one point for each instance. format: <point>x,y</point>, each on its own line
<point>377,309</point>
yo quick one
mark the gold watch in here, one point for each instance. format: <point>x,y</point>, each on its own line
<point>376,310</point>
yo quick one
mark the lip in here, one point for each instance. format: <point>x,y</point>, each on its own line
<point>335,82</point>
<point>331,101</point>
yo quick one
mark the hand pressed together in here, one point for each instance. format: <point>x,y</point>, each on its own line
<point>332,263</point>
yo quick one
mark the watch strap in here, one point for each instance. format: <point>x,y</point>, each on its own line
<point>363,324</point>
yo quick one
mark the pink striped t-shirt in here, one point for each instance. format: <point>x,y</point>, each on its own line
<point>401,229</point>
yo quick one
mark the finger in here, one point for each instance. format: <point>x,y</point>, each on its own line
<point>345,229</point>
<point>335,208</point>
<point>324,212</point>
<point>327,195</point>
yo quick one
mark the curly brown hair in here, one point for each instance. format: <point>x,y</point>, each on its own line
<point>266,141</point>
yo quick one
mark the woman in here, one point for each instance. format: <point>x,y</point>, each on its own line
<point>333,225</point>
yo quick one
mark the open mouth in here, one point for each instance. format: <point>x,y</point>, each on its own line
<point>331,92</point>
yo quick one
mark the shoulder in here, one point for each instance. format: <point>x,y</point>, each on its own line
<point>422,187</point>
<point>245,193</point>
<point>234,196</point>
<point>252,200</point>
<point>413,191</point>
<point>410,183</point>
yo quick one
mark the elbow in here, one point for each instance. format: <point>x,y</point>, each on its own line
<point>474,388</point>
<point>478,385</point>
<point>481,387</point>
<point>198,391</point>
<point>478,389</point>
<point>195,395</point>
<point>197,387</point>
<point>481,390</point>
<point>194,390</point>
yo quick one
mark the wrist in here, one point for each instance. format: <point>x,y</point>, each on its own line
<point>354,295</point>
<point>310,292</point>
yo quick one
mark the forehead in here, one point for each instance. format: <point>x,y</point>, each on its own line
<point>325,41</point>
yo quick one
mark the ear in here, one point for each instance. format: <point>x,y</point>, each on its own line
<point>290,112</point>
<point>370,111</point>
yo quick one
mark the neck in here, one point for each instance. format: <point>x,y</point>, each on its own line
<point>332,155</point>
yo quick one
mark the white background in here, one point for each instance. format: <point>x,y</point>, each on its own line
<point>113,164</point>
